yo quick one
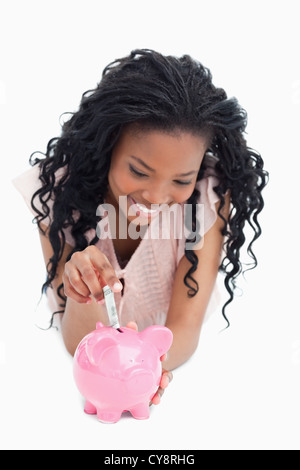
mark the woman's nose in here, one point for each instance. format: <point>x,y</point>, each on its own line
<point>156,196</point>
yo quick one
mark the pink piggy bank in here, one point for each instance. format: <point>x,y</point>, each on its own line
<point>120,370</point>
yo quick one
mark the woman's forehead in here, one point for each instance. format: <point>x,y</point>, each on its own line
<point>155,151</point>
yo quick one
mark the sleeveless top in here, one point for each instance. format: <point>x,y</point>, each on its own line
<point>149,274</point>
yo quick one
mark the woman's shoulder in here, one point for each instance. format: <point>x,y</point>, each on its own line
<point>28,182</point>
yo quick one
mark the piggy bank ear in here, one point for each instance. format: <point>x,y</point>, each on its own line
<point>95,351</point>
<point>160,336</point>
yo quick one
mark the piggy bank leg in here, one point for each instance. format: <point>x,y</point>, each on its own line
<point>140,411</point>
<point>89,408</point>
<point>107,417</point>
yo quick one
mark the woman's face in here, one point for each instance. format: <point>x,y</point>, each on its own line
<point>154,167</point>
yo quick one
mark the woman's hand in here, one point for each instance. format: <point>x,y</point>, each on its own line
<point>166,377</point>
<point>85,275</point>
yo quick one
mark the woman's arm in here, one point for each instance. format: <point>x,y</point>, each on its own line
<point>79,318</point>
<point>185,316</point>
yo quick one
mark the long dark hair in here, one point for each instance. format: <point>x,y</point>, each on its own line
<point>156,92</point>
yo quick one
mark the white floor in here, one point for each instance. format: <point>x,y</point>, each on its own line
<point>241,389</point>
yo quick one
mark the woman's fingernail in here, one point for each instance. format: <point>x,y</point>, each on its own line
<point>101,302</point>
<point>165,381</point>
<point>117,286</point>
<point>89,301</point>
<point>156,400</point>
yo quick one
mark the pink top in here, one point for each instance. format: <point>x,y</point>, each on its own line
<point>150,272</point>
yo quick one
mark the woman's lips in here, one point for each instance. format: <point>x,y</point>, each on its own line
<point>143,210</point>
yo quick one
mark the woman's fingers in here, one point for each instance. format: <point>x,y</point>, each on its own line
<point>166,378</point>
<point>83,277</point>
<point>72,293</point>
<point>87,273</point>
<point>104,268</point>
<point>73,277</point>
<point>156,399</point>
<point>132,325</point>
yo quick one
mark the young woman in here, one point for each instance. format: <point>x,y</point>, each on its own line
<point>155,133</point>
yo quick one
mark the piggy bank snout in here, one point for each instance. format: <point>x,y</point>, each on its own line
<point>140,382</point>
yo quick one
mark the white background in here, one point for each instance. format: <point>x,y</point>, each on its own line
<point>241,389</point>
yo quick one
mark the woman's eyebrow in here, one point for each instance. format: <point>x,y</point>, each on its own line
<point>141,162</point>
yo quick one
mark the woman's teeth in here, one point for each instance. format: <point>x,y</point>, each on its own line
<point>144,209</point>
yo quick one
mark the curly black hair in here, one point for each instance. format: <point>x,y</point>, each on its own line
<point>156,92</point>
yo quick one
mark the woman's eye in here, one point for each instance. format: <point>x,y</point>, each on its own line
<point>143,175</point>
<point>183,183</point>
<point>136,172</point>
